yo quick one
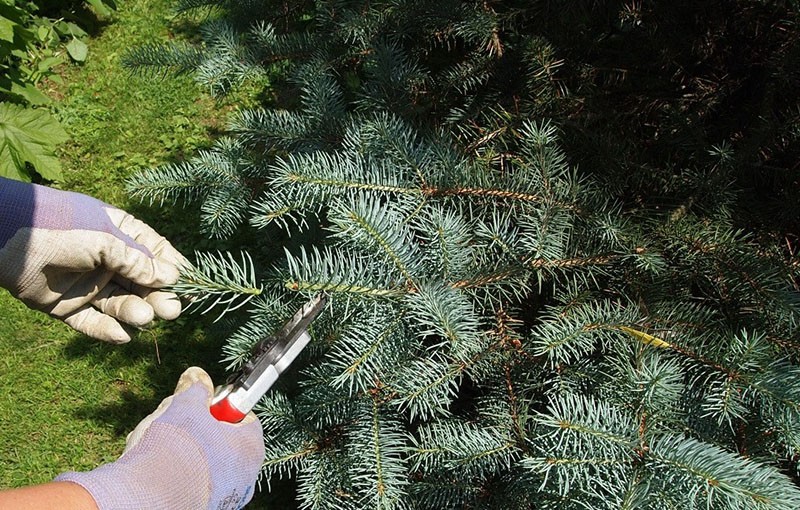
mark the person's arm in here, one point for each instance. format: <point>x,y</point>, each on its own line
<point>178,458</point>
<point>61,495</point>
<point>83,261</point>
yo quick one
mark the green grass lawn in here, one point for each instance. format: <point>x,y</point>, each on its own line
<point>69,401</point>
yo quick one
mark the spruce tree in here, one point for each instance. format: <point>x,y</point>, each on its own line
<point>552,285</point>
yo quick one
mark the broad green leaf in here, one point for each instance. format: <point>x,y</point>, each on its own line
<point>29,135</point>
<point>6,29</point>
<point>48,63</point>
<point>67,28</point>
<point>101,7</point>
<point>43,33</point>
<point>13,84</point>
<point>29,93</point>
<point>77,49</point>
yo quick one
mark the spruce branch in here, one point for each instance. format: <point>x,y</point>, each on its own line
<point>230,60</point>
<point>462,448</point>
<point>585,440</point>
<point>274,207</point>
<point>326,174</point>
<point>168,184</point>
<point>574,262</point>
<point>368,348</point>
<point>444,314</point>
<point>224,209</point>
<point>480,192</point>
<point>323,484</point>
<point>378,229</point>
<point>387,137</point>
<point>266,313</point>
<point>161,59</point>
<point>324,406</point>
<point>271,46</point>
<point>565,337</point>
<point>275,130</point>
<point>333,272</point>
<point>446,240</point>
<point>218,281</point>
<point>708,474</point>
<point>426,387</point>
<point>292,444</point>
<point>378,446</point>
<point>484,280</point>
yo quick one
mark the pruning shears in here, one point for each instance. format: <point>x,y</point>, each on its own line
<point>269,358</point>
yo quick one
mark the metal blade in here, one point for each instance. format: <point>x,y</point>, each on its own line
<point>282,347</point>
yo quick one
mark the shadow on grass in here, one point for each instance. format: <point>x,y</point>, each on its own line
<point>158,356</point>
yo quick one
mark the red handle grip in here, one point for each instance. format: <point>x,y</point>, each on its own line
<point>223,410</point>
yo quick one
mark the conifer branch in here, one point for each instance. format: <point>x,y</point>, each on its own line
<point>351,185</point>
<point>343,288</point>
<point>440,205</point>
<point>514,405</point>
<point>760,382</point>
<point>167,184</point>
<point>595,260</point>
<point>290,458</point>
<point>331,272</point>
<point>218,280</point>
<point>380,488</point>
<point>358,362</point>
<point>441,312</point>
<point>482,281</point>
<point>750,485</point>
<point>160,59</point>
<point>483,193</point>
<point>364,358</point>
<point>386,245</point>
<point>379,452</point>
<point>439,380</point>
<point>293,177</point>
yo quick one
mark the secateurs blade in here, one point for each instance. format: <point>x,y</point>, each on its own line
<point>269,358</point>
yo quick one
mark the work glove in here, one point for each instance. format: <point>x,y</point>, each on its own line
<point>181,458</point>
<point>83,261</point>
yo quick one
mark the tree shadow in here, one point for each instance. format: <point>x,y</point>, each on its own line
<point>167,349</point>
<point>76,11</point>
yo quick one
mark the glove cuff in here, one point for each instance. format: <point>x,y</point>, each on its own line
<point>16,203</point>
<point>95,486</point>
<point>22,206</point>
<point>106,488</point>
<point>167,471</point>
<point>119,487</point>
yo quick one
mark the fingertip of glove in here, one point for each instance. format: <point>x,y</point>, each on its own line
<point>165,304</point>
<point>118,339</point>
<point>137,314</point>
<point>92,323</point>
<point>168,272</point>
<point>113,333</point>
<point>192,376</point>
<point>249,419</point>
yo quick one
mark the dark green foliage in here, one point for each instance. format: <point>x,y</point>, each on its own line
<point>544,231</point>
<point>35,37</point>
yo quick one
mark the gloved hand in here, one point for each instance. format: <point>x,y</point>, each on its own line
<point>181,458</point>
<point>84,261</point>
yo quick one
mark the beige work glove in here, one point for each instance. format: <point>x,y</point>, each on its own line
<point>83,261</point>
